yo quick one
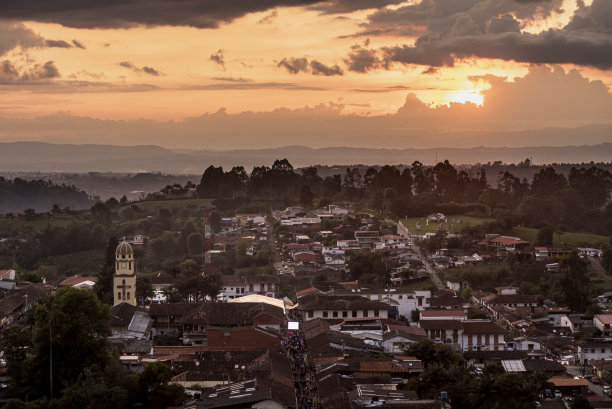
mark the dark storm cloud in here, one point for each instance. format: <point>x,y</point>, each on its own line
<point>10,74</point>
<point>145,69</point>
<point>57,44</point>
<point>348,6</point>
<point>150,70</point>
<point>14,35</point>
<point>297,65</point>
<point>294,65</point>
<point>129,13</point>
<point>218,58</point>
<point>318,68</point>
<point>362,59</point>
<point>448,30</point>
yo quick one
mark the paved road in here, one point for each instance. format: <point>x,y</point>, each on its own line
<point>595,388</point>
<point>402,231</point>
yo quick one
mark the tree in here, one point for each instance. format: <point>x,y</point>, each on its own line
<point>306,196</point>
<point>575,286</point>
<point>100,214</point>
<point>545,236</point>
<point>69,335</point>
<point>104,286</point>
<point>580,402</point>
<point>144,289</point>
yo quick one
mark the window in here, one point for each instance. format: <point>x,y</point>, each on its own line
<point>119,295</point>
<point>376,313</point>
<point>335,314</point>
<point>400,296</point>
<point>128,295</point>
<point>324,314</point>
<point>603,350</point>
<point>310,314</point>
<point>226,333</point>
<point>365,313</point>
<point>354,314</point>
<point>344,314</point>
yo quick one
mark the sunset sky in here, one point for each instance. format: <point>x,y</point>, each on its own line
<point>244,74</point>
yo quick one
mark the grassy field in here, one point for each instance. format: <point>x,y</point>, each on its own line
<point>38,224</point>
<point>452,226</point>
<point>566,238</point>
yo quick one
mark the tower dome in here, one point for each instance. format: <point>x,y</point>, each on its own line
<point>124,251</point>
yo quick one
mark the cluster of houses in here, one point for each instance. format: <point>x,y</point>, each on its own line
<point>228,353</point>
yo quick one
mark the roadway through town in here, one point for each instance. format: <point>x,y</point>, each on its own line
<point>594,388</point>
<point>433,274</point>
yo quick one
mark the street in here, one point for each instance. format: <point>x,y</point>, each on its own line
<point>594,388</point>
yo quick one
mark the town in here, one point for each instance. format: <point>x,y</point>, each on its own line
<point>334,306</point>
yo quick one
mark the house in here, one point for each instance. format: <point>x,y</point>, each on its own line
<point>603,322</point>
<point>443,330</point>
<point>77,281</point>
<point>555,314</point>
<point>589,252</point>
<point>459,315</point>
<point>507,243</point>
<point>396,341</point>
<point>436,218</point>
<point>128,321</point>
<point>233,325</point>
<point>254,393</point>
<point>7,274</point>
<point>401,301</point>
<point>572,321</point>
<point>366,238</point>
<point>19,301</point>
<point>167,318</point>
<point>594,351</point>
<point>455,283</point>
<point>319,305</point>
<point>239,286</point>
<point>482,335</point>
<point>161,283</point>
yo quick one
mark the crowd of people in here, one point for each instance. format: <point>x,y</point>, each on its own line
<point>304,379</point>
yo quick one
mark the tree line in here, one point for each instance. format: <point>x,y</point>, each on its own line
<point>579,201</point>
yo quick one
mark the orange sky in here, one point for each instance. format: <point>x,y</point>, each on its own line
<point>333,58</point>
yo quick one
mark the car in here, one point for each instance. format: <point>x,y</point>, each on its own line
<point>606,388</point>
<point>594,379</point>
<point>478,371</point>
<point>558,394</point>
<point>548,393</point>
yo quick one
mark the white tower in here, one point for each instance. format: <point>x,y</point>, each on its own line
<point>124,279</point>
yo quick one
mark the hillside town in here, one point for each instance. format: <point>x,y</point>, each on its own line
<point>335,339</point>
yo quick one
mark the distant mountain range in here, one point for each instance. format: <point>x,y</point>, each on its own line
<point>46,157</point>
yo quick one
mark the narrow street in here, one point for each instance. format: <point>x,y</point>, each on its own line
<point>594,388</point>
<point>402,231</point>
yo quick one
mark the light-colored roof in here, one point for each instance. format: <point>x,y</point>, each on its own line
<point>284,303</point>
<point>77,279</point>
<point>124,249</point>
<point>604,318</point>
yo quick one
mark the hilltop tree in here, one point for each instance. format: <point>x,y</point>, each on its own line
<point>104,286</point>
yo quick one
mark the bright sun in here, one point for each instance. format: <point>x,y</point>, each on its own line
<point>464,95</point>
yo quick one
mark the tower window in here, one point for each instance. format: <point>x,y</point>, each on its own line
<point>128,295</point>
<point>119,295</point>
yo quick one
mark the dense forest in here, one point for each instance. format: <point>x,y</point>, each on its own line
<point>40,195</point>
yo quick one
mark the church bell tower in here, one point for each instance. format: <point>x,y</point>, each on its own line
<point>124,279</point>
